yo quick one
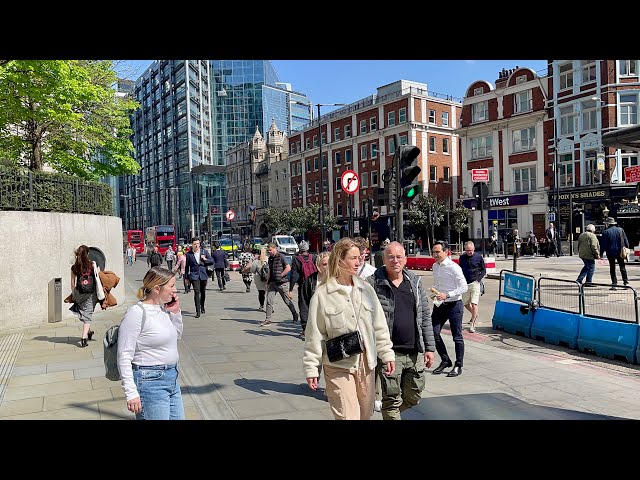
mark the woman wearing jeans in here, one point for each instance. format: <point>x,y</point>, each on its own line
<point>148,354</point>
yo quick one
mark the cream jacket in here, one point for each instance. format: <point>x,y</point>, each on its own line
<point>333,312</point>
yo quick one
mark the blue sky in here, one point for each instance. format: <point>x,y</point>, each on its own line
<point>346,81</point>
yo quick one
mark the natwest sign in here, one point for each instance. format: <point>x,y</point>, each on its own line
<point>480,175</point>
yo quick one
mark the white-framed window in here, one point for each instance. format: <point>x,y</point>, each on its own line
<point>299,168</point>
<point>567,120</point>
<point>524,179</point>
<point>338,209</point>
<point>589,112</point>
<point>293,147</point>
<point>403,139</point>
<point>363,152</point>
<point>628,109</point>
<point>308,192</point>
<point>445,119</point>
<point>374,178</point>
<point>307,144</point>
<point>338,159</point>
<point>324,161</point>
<point>336,133</point>
<point>317,184</point>
<point>374,150</point>
<point>445,145</point>
<point>372,124</point>
<point>315,140</point>
<point>481,147</point>
<point>433,174</point>
<point>480,111</point>
<point>298,146</point>
<point>323,138</point>
<point>522,102</point>
<point>363,126</point>
<point>478,91</point>
<point>524,139</point>
<point>566,170</point>
<point>347,131</point>
<point>277,195</point>
<point>391,119</point>
<point>391,146</point>
<point>592,176</point>
<point>432,116</point>
<point>402,115</point>
<point>308,165</point>
<point>364,180</point>
<point>588,70</point>
<point>315,164</point>
<point>347,157</point>
<point>566,75</point>
<point>446,177</point>
<point>628,68</point>
<point>628,161</point>
<point>338,183</point>
<point>432,144</point>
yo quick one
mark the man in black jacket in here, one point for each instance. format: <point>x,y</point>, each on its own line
<point>612,241</point>
<point>474,270</point>
<point>276,283</point>
<point>405,305</point>
<point>155,259</point>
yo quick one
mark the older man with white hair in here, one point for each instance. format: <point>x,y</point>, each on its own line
<point>589,252</point>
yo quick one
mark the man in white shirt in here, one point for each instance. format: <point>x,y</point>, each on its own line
<point>449,286</point>
<point>366,269</point>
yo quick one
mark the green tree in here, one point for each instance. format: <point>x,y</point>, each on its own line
<point>313,218</point>
<point>459,218</point>
<point>427,212</point>
<point>65,114</point>
<point>276,219</point>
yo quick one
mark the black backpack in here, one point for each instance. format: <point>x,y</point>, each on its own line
<point>86,282</point>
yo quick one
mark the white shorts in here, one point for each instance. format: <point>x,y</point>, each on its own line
<point>472,295</point>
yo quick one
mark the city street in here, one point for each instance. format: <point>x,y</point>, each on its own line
<point>231,368</point>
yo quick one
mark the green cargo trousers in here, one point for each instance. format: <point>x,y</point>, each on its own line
<point>403,389</point>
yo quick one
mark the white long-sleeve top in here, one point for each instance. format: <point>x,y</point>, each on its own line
<point>448,278</point>
<point>156,344</point>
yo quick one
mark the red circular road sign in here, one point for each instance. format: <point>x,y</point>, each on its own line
<point>350,182</point>
<point>230,215</point>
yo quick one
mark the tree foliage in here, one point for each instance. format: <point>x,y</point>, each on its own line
<point>65,114</point>
<point>298,220</point>
<point>426,211</point>
<point>459,218</point>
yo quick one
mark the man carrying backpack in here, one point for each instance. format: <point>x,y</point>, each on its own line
<point>302,266</point>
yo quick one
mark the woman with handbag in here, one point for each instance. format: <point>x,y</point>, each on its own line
<point>84,294</point>
<point>345,310</point>
<point>260,270</point>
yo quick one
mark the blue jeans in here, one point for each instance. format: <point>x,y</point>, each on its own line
<point>159,392</point>
<point>451,311</point>
<point>589,269</point>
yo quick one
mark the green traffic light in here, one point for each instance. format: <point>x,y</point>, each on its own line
<point>411,193</point>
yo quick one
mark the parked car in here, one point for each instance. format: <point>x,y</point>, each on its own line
<point>286,244</point>
<point>228,247</point>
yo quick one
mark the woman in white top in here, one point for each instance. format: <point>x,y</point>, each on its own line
<point>148,354</point>
<point>255,267</point>
<point>345,303</point>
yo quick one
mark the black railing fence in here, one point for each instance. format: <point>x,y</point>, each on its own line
<point>22,189</point>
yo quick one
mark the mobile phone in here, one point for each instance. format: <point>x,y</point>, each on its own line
<point>172,302</point>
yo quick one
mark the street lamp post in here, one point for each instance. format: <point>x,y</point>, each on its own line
<point>143,189</point>
<point>322,212</point>
<point>173,210</point>
<point>126,210</point>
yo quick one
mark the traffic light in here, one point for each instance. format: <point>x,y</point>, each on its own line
<point>409,186</point>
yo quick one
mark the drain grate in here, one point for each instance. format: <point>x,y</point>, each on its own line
<point>9,347</point>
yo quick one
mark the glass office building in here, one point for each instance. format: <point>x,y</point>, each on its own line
<point>192,112</point>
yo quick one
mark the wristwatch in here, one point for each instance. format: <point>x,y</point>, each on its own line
<point>448,296</point>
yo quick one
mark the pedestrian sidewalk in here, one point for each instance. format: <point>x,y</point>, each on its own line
<point>231,368</point>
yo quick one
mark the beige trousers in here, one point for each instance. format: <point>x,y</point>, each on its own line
<point>350,394</point>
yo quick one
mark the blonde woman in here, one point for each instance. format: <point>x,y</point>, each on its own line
<point>257,267</point>
<point>342,304</point>
<point>309,286</point>
<point>148,349</point>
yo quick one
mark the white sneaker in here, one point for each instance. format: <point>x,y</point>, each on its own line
<point>472,328</point>
<point>377,405</point>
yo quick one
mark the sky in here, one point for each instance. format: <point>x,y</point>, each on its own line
<point>347,81</point>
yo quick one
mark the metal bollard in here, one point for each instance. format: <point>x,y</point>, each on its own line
<point>516,254</point>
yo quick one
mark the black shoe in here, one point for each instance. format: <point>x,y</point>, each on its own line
<point>441,367</point>
<point>613,288</point>
<point>90,334</point>
<point>197,314</point>
<point>224,288</point>
<point>202,310</point>
<point>83,343</point>
<point>625,283</point>
<point>248,289</point>
<point>296,319</point>
<point>455,371</point>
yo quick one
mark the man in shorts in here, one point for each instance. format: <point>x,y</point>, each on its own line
<point>474,270</point>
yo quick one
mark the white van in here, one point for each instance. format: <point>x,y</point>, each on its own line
<point>286,244</point>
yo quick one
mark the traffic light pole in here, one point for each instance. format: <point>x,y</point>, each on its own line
<point>399,203</point>
<point>484,254</point>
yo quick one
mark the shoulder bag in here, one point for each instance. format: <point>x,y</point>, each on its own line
<point>624,251</point>
<point>344,346</point>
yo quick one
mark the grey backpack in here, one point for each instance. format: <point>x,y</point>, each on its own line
<point>110,348</point>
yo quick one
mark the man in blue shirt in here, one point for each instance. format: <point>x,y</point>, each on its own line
<point>474,270</point>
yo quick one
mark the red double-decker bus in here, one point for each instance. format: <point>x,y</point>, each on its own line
<point>161,236</point>
<point>135,238</point>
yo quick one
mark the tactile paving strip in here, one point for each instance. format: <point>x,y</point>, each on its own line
<point>9,347</point>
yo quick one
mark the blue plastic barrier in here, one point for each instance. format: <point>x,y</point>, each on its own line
<point>508,316</point>
<point>556,327</point>
<point>609,339</point>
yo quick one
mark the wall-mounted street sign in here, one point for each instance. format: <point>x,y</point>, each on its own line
<point>480,175</point>
<point>632,174</point>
